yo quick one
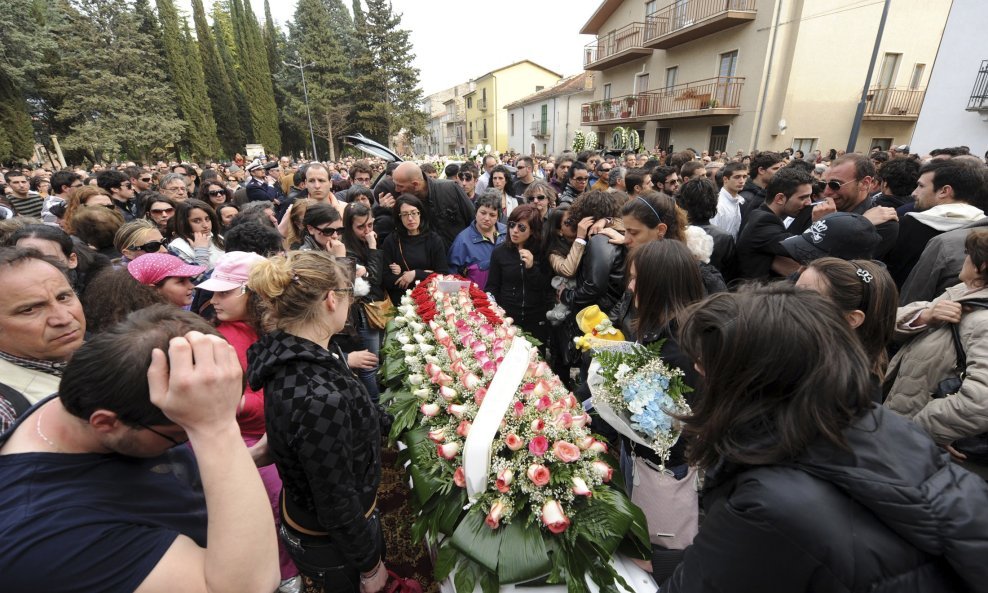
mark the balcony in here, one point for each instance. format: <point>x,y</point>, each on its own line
<point>616,48</point>
<point>540,128</point>
<point>979,95</point>
<point>452,118</point>
<point>687,20</point>
<point>482,104</point>
<point>702,98</point>
<point>892,104</point>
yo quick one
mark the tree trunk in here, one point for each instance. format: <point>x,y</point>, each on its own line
<point>329,136</point>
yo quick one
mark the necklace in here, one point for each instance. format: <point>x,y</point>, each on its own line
<point>37,426</point>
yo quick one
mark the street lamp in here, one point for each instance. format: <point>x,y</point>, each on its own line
<point>301,68</point>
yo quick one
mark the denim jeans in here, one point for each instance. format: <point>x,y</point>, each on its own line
<point>372,342</point>
<point>319,559</point>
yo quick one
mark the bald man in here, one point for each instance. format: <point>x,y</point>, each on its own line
<point>447,208</point>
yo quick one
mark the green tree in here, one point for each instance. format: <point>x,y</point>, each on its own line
<point>391,49</point>
<point>223,33</point>
<point>218,86</point>
<point>16,130</point>
<point>367,89</point>
<point>106,97</point>
<point>188,81</point>
<point>255,76</point>
<point>148,25</point>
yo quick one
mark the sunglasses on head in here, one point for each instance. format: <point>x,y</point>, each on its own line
<point>521,226</point>
<point>149,247</point>
<point>330,231</point>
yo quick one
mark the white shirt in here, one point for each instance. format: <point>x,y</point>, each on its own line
<point>482,183</point>
<point>728,216</point>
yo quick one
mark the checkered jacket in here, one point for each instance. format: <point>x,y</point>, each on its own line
<point>325,436</point>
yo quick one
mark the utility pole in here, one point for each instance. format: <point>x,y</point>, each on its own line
<point>312,136</point>
<point>859,114</point>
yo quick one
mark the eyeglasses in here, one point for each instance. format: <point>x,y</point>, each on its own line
<point>180,190</point>
<point>581,179</point>
<point>145,180</point>
<point>521,226</point>
<point>329,231</point>
<point>149,247</point>
<point>465,176</point>
<point>412,214</point>
<point>159,433</point>
<point>835,185</point>
<point>217,192</point>
<point>347,292</point>
<point>540,198</point>
<point>162,210</point>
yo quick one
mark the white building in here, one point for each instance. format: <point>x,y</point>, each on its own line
<point>955,112</point>
<point>545,122</point>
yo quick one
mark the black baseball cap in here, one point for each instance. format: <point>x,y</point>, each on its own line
<point>842,234</point>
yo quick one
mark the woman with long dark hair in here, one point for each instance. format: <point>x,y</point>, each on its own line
<point>194,232</point>
<point>412,251</point>
<point>322,228</point>
<point>519,278</point>
<point>360,241</point>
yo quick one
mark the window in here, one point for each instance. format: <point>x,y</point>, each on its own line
<point>890,68</point>
<point>807,145</point>
<point>881,143</point>
<point>512,124</point>
<point>641,82</point>
<point>917,77</point>
<point>485,130</point>
<point>650,8</point>
<point>728,64</point>
<point>539,87</point>
<point>662,138</point>
<point>469,102</point>
<point>671,75</point>
<point>607,91</point>
<point>483,94</point>
<point>718,138</point>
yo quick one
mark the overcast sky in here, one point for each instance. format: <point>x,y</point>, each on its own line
<point>457,41</point>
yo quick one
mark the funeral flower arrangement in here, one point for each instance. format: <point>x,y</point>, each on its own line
<point>533,494</point>
<point>638,394</point>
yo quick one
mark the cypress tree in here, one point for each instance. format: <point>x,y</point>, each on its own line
<point>218,87</point>
<point>16,130</point>
<point>255,76</point>
<point>367,90</point>
<point>223,34</point>
<point>188,81</point>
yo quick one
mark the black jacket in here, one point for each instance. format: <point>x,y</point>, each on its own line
<point>524,294</point>
<point>724,257</point>
<point>447,209</point>
<point>754,197</point>
<point>324,433</point>
<point>424,253</point>
<point>600,280</point>
<point>890,514</point>
<point>759,243</point>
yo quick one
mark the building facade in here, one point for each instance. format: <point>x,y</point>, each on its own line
<point>955,112</point>
<point>446,122</point>
<point>546,122</point>
<point>486,118</point>
<point>735,75</point>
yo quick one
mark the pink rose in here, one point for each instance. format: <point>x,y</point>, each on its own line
<point>457,410</point>
<point>443,379</point>
<point>543,403</point>
<point>564,420</point>
<point>538,446</point>
<point>527,389</point>
<point>470,381</point>
<point>581,420</point>
<point>429,410</point>
<point>553,517</point>
<point>493,519</point>
<point>504,479</point>
<point>580,487</point>
<point>464,428</point>
<point>519,409</point>
<point>479,396</point>
<point>490,367</point>
<point>438,435</point>
<point>448,450</point>
<point>597,447</point>
<point>514,442</point>
<point>440,334</point>
<point>459,478</point>
<point>541,388</point>
<point>603,470</point>
<point>538,474</point>
<point>448,393</point>
<point>566,452</point>
<point>432,370</point>
<point>538,425</point>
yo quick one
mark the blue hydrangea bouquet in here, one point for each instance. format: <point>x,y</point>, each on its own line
<point>638,394</point>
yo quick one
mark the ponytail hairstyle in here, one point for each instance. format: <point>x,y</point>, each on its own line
<point>653,208</point>
<point>293,286</point>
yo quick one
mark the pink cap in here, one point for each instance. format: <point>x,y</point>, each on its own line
<point>152,268</point>
<point>231,271</point>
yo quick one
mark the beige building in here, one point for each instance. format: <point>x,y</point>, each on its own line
<point>486,118</point>
<point>546,122</point>
<point>736,75</point>
<point>445,129</point>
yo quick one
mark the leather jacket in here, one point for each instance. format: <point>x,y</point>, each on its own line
<point>600,280</point>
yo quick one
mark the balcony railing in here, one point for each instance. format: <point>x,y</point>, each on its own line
<point>451,118</point>
<point>887,103</point>
<point>686,20</point>
<point>617,47</point>
<point>713,96</point>
<point>540,128</point>
<point>482,104</point>
<point>979,95</point>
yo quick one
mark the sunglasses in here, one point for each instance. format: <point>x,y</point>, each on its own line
<point>581,179</point>
<point>540,198</point>
<point>835,185</point>
<point>329,231</point>
<point>149,247</point>
<point>145,180</point>
<point>466,176</point>
<point>162,211</point>
<point>521,226</point>
<point>217,192</point>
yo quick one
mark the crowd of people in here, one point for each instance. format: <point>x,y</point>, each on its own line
<point>827,311</point>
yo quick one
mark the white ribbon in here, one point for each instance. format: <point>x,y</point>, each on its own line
<point>500,395</point>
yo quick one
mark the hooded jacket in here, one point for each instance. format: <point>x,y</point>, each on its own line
<point>916,229</point>
<point>324,433</point>
<point>892,513</point>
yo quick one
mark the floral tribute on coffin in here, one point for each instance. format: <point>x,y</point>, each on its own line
<point>510,484</point>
